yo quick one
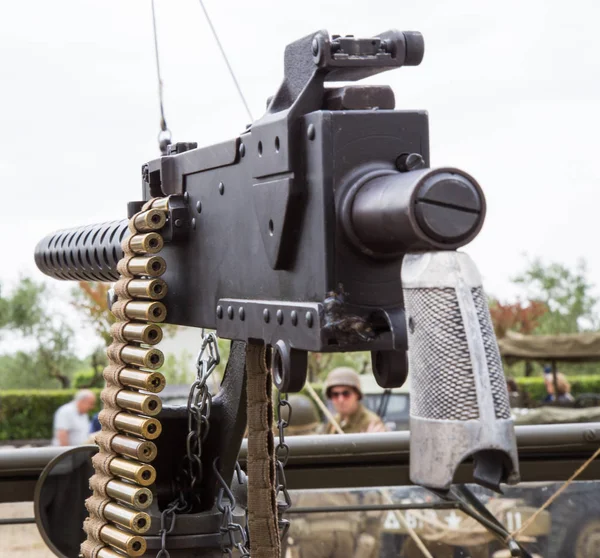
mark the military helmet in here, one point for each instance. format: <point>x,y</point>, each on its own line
<point>343,376</point>
<point>305,418</point>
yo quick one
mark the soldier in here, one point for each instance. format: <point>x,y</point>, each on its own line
<point>342,387</point>
<point>318,535</point>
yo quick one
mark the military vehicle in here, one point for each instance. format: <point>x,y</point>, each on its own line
<point>392,404</point>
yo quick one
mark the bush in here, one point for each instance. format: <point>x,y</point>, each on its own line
<point>83,379</point>
<point>28,414</point>
<point>536,388</point>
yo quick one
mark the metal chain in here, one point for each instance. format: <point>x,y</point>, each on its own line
<point>199,405</point>
<point>229,528</point>
<point>168,516</point>
<point>282,454</point>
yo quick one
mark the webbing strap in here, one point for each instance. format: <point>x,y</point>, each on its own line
<point>262,498</point>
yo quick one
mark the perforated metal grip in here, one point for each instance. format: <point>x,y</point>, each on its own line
<point>88,253</point>
<point>459,401</point>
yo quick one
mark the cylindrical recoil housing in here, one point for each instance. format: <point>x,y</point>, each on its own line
<point>132,545</point>
<point>139,356</point>
<point>140,473</point>
<point>387,213</point>
<point>150,311</point>
<point>149,428</point>
<point>151,220</point>
<point>144,403</point>
<point>154,289</point>
<point>153,382</point>
<point>136,521</point>
<point>146,243</point>
<point>151,266</point>
<point>136,496</point>
<point>88,253</point>
<point>142,450</point>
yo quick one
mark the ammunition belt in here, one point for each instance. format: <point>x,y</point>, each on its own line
<point>123,474</point>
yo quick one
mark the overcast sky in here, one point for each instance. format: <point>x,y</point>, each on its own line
<point>512,89</point>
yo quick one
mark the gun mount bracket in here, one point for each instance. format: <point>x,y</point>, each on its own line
<point>307,325</point>
<point>390,368</point>
<point>289,367</point>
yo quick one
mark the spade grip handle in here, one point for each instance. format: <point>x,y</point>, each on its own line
<point>459,400</point>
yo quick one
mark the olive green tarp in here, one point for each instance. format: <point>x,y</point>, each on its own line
<point>568,347</point>
<point>557,415</point>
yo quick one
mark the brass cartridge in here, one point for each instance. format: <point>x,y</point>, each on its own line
<point>161,204</point>
<point>140,379</point>
<point>136,521</point>
<point>132,545</point>
<point>153,266</point>
<point>154,289</point>
<point>136,496</point>
<point>108,553</point>
<point>146,243</point>
<point>138,356</point>
<point>151,220</point>
<point>144,310</point>
<point>148,428</point>
<point>141,473</point>
<point>144,403</point>
<point>150,334</point>
<point>142,450</point>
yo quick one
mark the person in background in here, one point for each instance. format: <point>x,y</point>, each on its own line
<point>71,421</point>
<point>95,425</point>
<point>334,534</point>
<point>515,397</point>
<point>342,388</point>
<point>562,386</point>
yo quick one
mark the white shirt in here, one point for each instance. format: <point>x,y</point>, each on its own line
<point>76,424</point>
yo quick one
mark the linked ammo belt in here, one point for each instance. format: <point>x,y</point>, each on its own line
<point>123,473</point>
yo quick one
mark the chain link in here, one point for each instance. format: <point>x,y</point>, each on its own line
<point>282,454</point>
<point>199,406</point>
<point>229,528</point>
<point>168,516</point>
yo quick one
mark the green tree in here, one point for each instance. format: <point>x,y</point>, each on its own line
<point>51,361</point>
<point>320,364</point>
<point>566,293</point>
<point>22,309</point>
<point>91,299</point>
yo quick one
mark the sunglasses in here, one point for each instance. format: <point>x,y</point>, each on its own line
<point>344,393</point>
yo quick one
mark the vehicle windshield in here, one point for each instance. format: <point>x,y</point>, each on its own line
<point>374,522</point>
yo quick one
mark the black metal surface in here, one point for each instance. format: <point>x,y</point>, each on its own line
<point>88,253</point>
<point>376,507</point>
<point>414,211</point>
<point>227,425</point>
<point>268,201</point>
<point>16,520</point>
<point>360,97</point>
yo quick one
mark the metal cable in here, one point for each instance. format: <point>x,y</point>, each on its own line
<point>235,81</point>
<point>164,137</point>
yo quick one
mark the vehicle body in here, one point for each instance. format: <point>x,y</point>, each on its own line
<point>392,405</point>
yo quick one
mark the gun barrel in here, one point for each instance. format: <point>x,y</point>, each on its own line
<point>389,213</point>
<point>87,253</point>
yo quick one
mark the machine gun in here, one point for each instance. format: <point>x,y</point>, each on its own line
<point>320,228</point>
